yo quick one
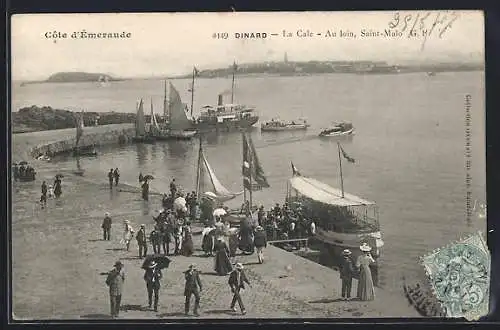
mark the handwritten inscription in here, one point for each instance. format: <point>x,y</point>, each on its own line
<point>425,25</point>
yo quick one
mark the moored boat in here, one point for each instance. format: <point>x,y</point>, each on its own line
<point>343,221</point>
<point>207,183</point>
<point>180,126</point>
<point>338,129</point>
<point>225,116</point>
<point>141,136</point>
<point>276,125</point>
<point>78,150</point>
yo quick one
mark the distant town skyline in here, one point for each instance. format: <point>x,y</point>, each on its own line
<point>169,44</point>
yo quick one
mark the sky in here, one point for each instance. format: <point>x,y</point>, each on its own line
<point>171,43</point>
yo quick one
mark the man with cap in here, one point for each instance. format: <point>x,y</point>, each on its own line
<point>152,276</point>
<point>106,227</point>
<point>114,281</point>
<point>142,241</point>
<point>193,287</point>
<point>346,273</point>
<point>237,280</point>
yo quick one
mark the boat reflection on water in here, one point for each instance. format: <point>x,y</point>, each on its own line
<point>177,149</point>
<point>142,154</point>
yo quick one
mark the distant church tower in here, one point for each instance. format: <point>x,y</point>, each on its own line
<point>285,59</point>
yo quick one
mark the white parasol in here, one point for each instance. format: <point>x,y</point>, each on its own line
<point>219,212</point>
<point>180,204</point>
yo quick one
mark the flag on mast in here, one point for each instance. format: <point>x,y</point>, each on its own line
<point>346,156</point>
<point>252,169</point>
<point>295,170</point>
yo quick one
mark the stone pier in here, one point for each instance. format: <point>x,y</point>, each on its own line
<point>34,144</point>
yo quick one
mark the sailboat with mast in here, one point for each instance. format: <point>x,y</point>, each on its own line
<point>180,126</point>
<point>225,116</point>
<point>154,127</point>
<point>343,221</point>
<point>207,183</point>
<point>82,150</point>
<point>141,136</point>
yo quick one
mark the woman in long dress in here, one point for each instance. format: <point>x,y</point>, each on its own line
<point>187,241</point>
<point>222,263</point>
<point>246,237</point>
<point>208,240</point>
<point>128,234</point>
<point>366,290</point>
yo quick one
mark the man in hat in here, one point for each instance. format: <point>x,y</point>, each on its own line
<point>142,241</point>
<point>237,280</point>
<point>260,215</point>
<point>106,227</point>
<point>115,280</point>
<point>173,187</point>
<point>155,238</point>
<point>152,276</point>
<point>192,287</point>
<point>346,273</point>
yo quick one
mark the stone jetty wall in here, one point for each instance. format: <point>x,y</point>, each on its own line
<point>62,141</point>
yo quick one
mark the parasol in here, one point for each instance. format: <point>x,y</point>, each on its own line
<point>147,177</point>
<point>23,162</point>
<point>210,195</point>
<point>219,212</point>
<point>180,203</point>
<point>161,260</point>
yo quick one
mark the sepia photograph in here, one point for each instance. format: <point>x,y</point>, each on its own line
<point>248,165</point>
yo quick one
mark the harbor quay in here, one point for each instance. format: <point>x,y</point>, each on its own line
<point>60,262</point>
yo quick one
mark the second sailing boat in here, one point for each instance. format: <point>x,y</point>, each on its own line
<point>207,184</point>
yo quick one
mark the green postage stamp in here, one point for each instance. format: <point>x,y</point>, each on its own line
<point>459,275</point>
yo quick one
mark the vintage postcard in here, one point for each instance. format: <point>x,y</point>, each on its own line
<point>287,165</point>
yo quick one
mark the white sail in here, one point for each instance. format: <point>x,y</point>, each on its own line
<point>209,183</point>
<point>178,117</point>
<point>79,127</point>
<point>140,123</point>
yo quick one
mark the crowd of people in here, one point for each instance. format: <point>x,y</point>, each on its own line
<point>23,171</point>
<point>173,226</point>
<point>286,223</point>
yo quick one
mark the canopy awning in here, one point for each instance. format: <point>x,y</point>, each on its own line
<point>321,192</point>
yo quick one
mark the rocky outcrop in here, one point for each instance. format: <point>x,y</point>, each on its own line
<point>78,77</point>
<point>36,118</point>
